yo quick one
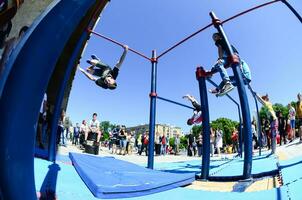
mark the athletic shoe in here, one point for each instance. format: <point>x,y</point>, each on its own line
<point>226,89</point>
<point>94,57</point>
<point>214,91</point>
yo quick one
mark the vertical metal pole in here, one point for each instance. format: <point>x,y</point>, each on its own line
<point>239,133</point>
<point>60,96</point>
<point>205,167</point>
<point>235,63</point>
<point>293,10</point>
<point>152,110</point>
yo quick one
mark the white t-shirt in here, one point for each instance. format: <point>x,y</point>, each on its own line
<point>84,128</point>
<point>42,105</point>
<point>292,113</point>
<point>94,125</point>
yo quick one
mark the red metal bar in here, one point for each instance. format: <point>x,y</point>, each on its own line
<point>249,10</point>
<point>119,44</point>
<point>209,25</point>
<point>187,38</point>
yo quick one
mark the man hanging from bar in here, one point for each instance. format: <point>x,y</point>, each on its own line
<point>103,75</point>
<point>228,82</point>
<point>197,117</point>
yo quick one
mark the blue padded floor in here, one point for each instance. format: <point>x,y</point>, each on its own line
<point>291,170</point>
<point>107,177</point>
<point>262,166</point>
<point>69,186</point>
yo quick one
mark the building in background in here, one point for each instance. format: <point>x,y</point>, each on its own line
<point>168,130</point>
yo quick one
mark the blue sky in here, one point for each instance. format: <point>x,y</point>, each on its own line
<point>269,40</point>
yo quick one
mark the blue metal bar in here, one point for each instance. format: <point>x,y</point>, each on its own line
<point>152,111</point>
<point>239,114</point>
<point>248,145</point>
<point>293,10</point>
<point>205,167</point>
<point>259,122</point>
<point>174,102</point>
<point>57,109</point>
<point>22,95</point>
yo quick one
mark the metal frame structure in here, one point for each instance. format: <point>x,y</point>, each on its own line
<point>68,20</point>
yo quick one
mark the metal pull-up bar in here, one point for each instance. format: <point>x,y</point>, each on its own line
<point>174,102</point>
<point>209,25</point>
<point>119,44</point>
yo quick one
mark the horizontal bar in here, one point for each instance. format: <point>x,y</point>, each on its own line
<point>182,41</point>
<point>209,25</point>
<point>119,44</point>
<point>249,10</point>
<point>174,102</point>
<point>215,85</point>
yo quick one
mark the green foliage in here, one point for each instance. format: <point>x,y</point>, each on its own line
<point>105,127</point>
<point>227,126</point>
<point>171,141</point>
<point>183,143</point>
<point>196,130</point>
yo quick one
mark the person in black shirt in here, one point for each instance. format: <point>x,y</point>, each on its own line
<point>227,83</point>
<point>106,75</point>
<point>282,128</point>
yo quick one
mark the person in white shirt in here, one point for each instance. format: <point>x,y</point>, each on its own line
<point>94,127</point>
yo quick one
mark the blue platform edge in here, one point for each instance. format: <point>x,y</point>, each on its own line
<point>107,177</point>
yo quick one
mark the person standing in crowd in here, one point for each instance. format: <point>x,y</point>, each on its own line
<point>176,144</point>
<point>60,132</point>
<point>218,140</point>
<point>292,118</point>
<point>76,133</point>
<point>212,141</point>
<point>254,133</point>
<point>190,142</point>
<point>145,142</point>
<point>131,143</point>
<point>164,144</point>
<point>139,144</point>
<point>282,128</point>
<point>299,115</point>
<point>199,145</point>
<point>234,138</point>
<point>123,141</point>
<point>157,144</point>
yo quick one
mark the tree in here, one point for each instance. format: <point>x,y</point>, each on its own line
<point>183,142</point>
<point>106,127</point>
<point>227,126</point>
<point>196,130</point>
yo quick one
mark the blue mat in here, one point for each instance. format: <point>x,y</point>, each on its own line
<point>107,177</point>
<point>71,187</point>
<point>291,170</point>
